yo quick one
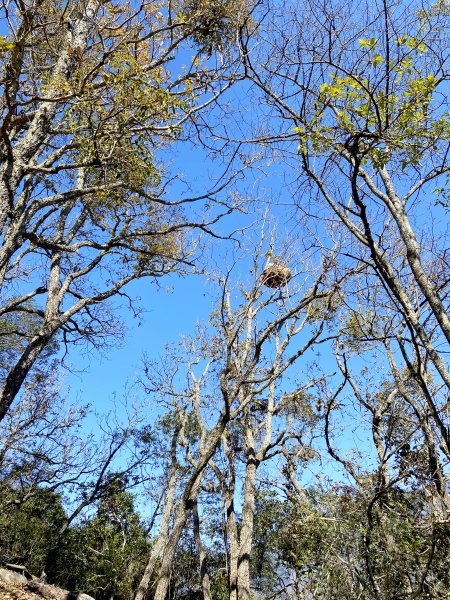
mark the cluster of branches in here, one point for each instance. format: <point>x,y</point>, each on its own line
<point>359,112</point>
<point>87,101</point>
<point>364,112</point>
<point>340,375</point>
<point>245,413</point>
<point>378,528</point>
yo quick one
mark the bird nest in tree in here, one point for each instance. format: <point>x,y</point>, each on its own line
<point>275,276</point>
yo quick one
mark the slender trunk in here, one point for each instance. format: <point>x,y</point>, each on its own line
<point>204,576</point>
<point>230,522</point>
<point>413,256</point>
<point>248,514</point>
<point>181,517</point>
<point>233,546</point>
<point>185,506</point>
<point>377,417</point>
<point>162,539</point>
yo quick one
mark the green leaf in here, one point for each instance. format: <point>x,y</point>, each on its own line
<point>371,43</point>
<point>377,59</point>
<point>6,44</point>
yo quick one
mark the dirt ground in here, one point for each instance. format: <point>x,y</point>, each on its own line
<point>9,591</point>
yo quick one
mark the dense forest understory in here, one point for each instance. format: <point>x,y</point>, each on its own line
<point>292,161</point>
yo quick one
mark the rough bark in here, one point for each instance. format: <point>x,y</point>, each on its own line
<point>25,150</point>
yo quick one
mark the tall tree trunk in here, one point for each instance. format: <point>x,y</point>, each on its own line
<point>19,372</point>
<point>170,549</point>
<point>160,544</point>
<point>204,576</point>
<point>248,514</point>
<point>233,545</point>
<point>413,255</point>
<point>189,496</point>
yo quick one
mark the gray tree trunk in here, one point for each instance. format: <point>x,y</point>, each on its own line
<point>160,544</point>
<point>204,575</point>
<point>233,544</point>
<point>413,255</point>
<point>248,514</point>
<point>171,545</point>
<point>186,504</point>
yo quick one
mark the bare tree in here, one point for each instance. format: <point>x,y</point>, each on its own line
<point>270,427</point>
<point>233,371</point>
